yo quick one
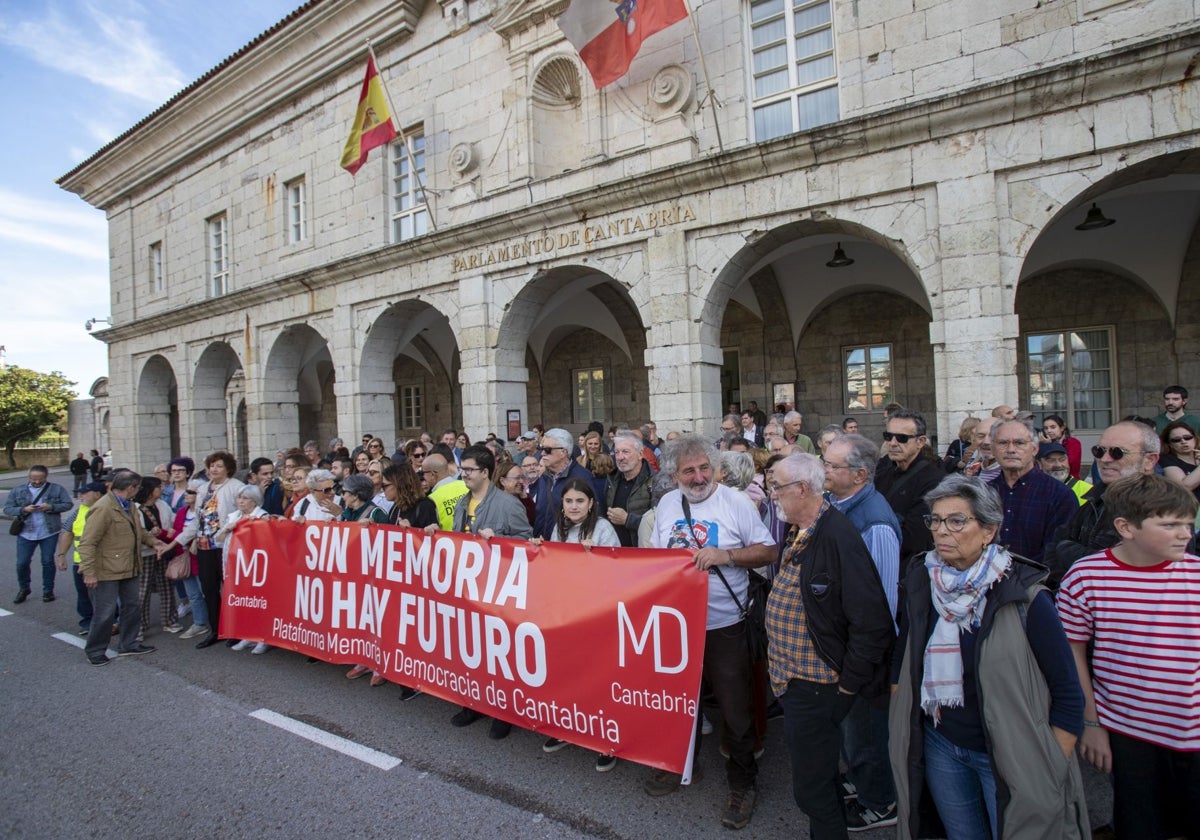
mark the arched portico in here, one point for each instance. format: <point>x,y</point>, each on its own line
<point>211,412</point>
<point>408,373</point>
<point>157,412</point>
<point>578,335</point>
<point>297,397</point>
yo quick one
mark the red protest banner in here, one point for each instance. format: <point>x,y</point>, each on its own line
<point>603,648</point>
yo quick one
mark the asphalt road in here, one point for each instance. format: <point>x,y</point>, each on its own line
<point>179,744</point>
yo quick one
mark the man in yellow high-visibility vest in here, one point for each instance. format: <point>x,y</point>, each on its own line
<point>68,542</point>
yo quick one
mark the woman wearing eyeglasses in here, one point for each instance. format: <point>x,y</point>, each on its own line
<point>1179,459</point>
<point>986,706</point>
<point>320,505</point>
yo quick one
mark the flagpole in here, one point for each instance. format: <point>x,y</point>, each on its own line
<point>711,96</point>
<point>412,164</point>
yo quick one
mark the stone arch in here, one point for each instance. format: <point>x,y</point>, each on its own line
<point>410,345</point>
<point>570,319</point>
<point>211,410</point>
<point>157,411</point>
<point>298,401</point>
<point>774,305</point>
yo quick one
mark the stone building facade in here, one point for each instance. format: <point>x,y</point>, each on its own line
<point>659,248</point>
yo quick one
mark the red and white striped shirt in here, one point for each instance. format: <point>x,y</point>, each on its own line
<point>1145,621</point>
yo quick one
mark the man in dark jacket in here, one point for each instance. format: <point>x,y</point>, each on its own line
<point>559,466</point>
<point>1091,528</point>
<point>627,493</point>
<point>831,632</point>
<point>904,476</point>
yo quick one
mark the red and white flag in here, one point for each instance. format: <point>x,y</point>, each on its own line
<point>609,33</point>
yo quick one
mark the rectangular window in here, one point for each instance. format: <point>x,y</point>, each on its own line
<point>410,406</point>
<point>297,210</point>
<point>868,376</point>
<point>793,66</point>
<point>410,217</point>
<point>589,395</point>
<point>1071,374</point>
<point>218,255</point>
<point>158,282</point>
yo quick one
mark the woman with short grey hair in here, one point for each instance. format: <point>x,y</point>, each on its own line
<point>320,505</point>
<point>986,680</point>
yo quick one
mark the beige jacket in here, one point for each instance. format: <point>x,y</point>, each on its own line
<point>110,546</point>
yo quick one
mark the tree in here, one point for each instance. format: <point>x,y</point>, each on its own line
<point>30,403</point>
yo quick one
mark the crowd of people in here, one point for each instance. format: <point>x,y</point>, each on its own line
<point>947,634</point>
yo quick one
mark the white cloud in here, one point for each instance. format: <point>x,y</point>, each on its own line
<point>109,50</point>
<point>54,226</point>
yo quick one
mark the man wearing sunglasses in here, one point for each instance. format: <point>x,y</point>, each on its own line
<point>1125,449</point>
<point>558,467</point>
<point>904,476</point>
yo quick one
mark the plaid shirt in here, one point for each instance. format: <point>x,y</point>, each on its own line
<point>1034,508</point>
<point>792,655</point>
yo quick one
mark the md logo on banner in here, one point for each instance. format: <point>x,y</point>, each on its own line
<point>653,626</point>
<point>253,569</point>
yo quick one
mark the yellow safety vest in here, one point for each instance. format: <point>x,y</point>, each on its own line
<point>77,529</point>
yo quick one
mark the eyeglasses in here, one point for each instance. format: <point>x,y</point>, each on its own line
<point>830,466</point>
<point>728,429</point>
<point>1182,438</point>
<point>1114,452</point>
<point>324,490</point>
<point>954,523</point>
<point>374,472</point>
<point>471,470</point>
<point>416,455</point>
<point>775,488</point>
<point>898,437</point>
<point>387,485</point>
<point>548,449</point>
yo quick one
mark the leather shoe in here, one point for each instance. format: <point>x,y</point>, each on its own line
<point>99,659</point>
<point>465,717</point>
<point>207,641</point>
<point>47,597</point>
<point>138,648</point>
<point>21,596</point>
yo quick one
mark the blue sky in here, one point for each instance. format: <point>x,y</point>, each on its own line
<point>74,75</point>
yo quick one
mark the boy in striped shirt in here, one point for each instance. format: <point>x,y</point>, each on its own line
<point>1138,604</point>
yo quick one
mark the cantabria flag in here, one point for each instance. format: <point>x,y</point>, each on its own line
<point>608,33</point>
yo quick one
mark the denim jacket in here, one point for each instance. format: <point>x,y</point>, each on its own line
<point>55,495</point>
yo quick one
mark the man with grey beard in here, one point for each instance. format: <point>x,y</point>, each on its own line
<point>1052,458</point>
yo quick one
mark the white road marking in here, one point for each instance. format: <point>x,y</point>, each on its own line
<point>5,612</point>
<point>326,739</point>
<point>77,641</point>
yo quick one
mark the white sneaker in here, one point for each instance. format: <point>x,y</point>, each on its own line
<point>194,631</point>
<point>243,644</point>
<point>261,647</point>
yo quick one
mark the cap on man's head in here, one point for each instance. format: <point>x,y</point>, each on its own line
<point>94,487</point>
<point>529,435</point>
<point>1050,448</point>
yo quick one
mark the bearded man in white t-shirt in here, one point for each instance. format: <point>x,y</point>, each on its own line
<point>724,530</point>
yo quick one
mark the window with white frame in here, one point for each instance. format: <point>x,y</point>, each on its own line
<point>589,395</point>
<point>218,255</point>
<point>793,69</point>
<point>297,211</point>
<point>158,281</point>
<point>1070,373</point>
<point>867,374</point>
<point>410,406</point>
<point>410,216</point>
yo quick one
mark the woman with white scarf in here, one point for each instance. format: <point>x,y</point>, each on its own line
<point>986,707</point>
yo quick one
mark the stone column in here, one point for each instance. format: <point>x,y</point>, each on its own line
<point>492,376</point>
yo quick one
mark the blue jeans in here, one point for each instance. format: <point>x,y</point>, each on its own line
<point>195,596</point>
<point>962,786</point>
<point>83,601</point>
<point>25,550</point>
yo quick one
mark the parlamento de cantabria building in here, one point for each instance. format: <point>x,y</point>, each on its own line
<point>660,248</point>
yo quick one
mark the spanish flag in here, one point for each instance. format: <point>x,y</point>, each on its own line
<point>372,122</point>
